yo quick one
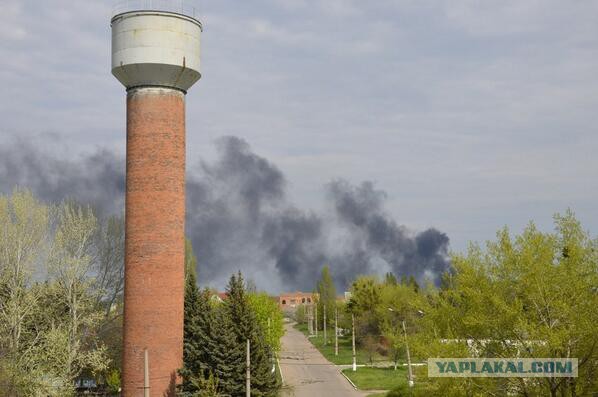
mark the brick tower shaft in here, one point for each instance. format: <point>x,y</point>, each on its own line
<point>154,249</point>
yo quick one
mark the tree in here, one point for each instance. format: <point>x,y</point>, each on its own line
<point>53,326</point>
<point>390,279</point>
<point>530,296</point>
<point>413,283</point>
<point>193,334</point>
<point>269,317</point>
<point>190,260</point>
<point>70,267</point>
<point>23,233</point>
<point>398,303</point>
<point>109,258</point>
<point>327,292</point>
<point>300,314</point>
<point>215,337</point>
<point>365,299</point>
<point>108,267</point>
<point>210,356</point>
<point>240,313</point>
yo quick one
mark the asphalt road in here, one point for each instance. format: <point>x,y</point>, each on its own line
<point>307,373</point>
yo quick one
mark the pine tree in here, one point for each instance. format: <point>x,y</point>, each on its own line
<point>191,335</point>
<point>246,326</point>
<point>227,356</point>
<point>199,337</point>
<point>215,343</point>
<point>413,283</point>
<point>390,279</point>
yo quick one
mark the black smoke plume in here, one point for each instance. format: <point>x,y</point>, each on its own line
<point>238,217</point>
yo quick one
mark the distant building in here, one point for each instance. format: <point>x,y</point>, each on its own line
<point>289,301</point>
<point>219,297</point>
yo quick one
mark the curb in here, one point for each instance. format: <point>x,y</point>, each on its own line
<point>349,380</point>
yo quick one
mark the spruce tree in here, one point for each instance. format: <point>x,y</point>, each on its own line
<point>199,337</point>
<point>191,332</point>
<point>227,357</point>
<point>390,279</point>
<point>246,326</point>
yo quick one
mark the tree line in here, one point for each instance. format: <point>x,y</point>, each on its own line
<point>61,301</point>
<point>60,295</point>
<point>533,295</point>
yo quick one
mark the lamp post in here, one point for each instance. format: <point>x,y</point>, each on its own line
<point>316,320</point>
<point>325,326</point>
<point>336,331</point>
<point>410,373</point>
<point>353,342</point>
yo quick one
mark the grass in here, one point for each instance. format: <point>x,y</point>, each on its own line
<point>345,349</point>
<point>369,378</point>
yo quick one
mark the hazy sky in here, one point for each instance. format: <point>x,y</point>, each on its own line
<point>471,115</point>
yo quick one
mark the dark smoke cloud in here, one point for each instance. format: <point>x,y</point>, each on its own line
<point>238,217</point>
<point>361,209</point>
<point>97,179</point>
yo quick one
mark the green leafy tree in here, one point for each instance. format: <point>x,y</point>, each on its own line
<point>23,233</point>
<point>53,326</point>
<point>399,303</point>
<point>300,314</point>
<point>269,317</point>
<point>530,296</point>
<point>327,299</point>
<point>365,300</point>
<point>70,267</point>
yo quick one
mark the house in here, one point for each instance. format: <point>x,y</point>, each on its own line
<point>290,300</point>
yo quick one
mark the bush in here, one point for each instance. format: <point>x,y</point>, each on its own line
<point>113,381</point>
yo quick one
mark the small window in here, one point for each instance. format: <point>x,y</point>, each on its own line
<point>284,302</point>
<point>308,300</point>
<point>303,300</point>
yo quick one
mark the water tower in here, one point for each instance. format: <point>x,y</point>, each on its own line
<point>155,55</point>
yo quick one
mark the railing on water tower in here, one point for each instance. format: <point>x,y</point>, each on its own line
<point>183,7</point>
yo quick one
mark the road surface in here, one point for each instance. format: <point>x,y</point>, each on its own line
<point>307,373</point>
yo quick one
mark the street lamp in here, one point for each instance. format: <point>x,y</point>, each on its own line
<point>410,373</point>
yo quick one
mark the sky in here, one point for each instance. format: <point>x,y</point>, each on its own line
<point>469,115</point>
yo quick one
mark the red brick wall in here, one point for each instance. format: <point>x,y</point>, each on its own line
<point>155,247</point>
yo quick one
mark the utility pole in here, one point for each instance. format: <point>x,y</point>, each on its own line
<point>353,341</point>
<point>325,324</point>
<point>410,379</point>
<point>248,374</point>
<point>316,320</point>
<point>310,324</point>
<point>146,384</point>
<point>336,331</point>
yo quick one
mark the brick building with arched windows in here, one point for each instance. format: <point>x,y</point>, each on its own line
<point>290,300</point>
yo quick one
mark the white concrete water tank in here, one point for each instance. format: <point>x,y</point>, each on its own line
<point>156,48</point>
